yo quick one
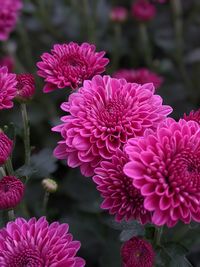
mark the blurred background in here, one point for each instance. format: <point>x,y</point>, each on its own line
<point>167,44</point>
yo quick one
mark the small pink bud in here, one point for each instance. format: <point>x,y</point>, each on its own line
<point>25,86</point>
<point>143,11</point>
<point>6,146</point>
<point>118,14</point>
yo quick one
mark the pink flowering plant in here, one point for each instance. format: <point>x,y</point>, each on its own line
<point>106,171</point>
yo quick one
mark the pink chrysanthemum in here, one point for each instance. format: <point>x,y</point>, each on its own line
<point>137,252</point>
<point>8,88</point>
<point>69,65</point>
<point>25,86</point>
<point>143,10</point>
<point>118,14</point>
<point>122,199</point>
<point>140,76</point>
<point>104,114</point>
<point>193,116</point>
<point>11,192</point>
<point>6,146</point>
<point>165,167</point>
<point>8,62</point>
<point>9,12</point>
<point>35,243</point>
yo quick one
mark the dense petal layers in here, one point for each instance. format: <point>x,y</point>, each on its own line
<point>104,114</point>
<point>121,198</point>
<point>165,167</point>
<point>8,88</point>
<point>140,76</point>
<point>11,192</point>
<point>68,65</point>
<point>35,243</point>
<point>6,146</point>
<point>9,12</point>
<point>137,252</point>
<point>25,86</point>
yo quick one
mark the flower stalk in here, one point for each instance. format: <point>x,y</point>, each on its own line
<point>145,44</point>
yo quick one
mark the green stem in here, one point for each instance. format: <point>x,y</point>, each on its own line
<point>9,167</point>
<point>11,215</point>
<point>116,47</point>
<point>158,236</point>
<point>45,201</point>
<point>145,44</point>
<point>2,171</point>
<point>89,22</point>
<point>26,133</point>
<point>176,7</point>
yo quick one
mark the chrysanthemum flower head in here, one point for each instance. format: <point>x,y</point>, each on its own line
<point>11,192</point>
<point>36,243</point>
<point>143,10</point>
<point>25,86</point>
<point>165,167</point>
<point>140,76</point>
<point>8,88</point>
<point>9,12</point>
<point>121,198</point>
<point>6,146</point>
<point>137,252</point>
<point>193,116</point>
<point>118,14</point>
<point>68,65</point>
<point>104,114</point>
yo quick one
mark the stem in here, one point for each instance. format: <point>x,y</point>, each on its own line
<point>11,215</point>
<point>145,44</point>
<point>45,201</point>
<point>89,22</point>
<point>158,236</point>
<point>9,166</point>
<point>26,133</point>
<point>178,26</point>
<point>116,48</point>
<point>2,171</point>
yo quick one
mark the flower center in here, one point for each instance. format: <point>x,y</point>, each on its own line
<point>28,257</point>
<point>184,172</point>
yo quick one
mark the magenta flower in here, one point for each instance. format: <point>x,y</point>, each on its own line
<point>118,14</point>
<point>6,146</point>
<point>9,13</point>
<point>193,116</point>
<point>140,76</point>
<point>25,86</point>
<point>104,114</point>
<point>69,65</point>
<point>164,166</point>
<point>121,198</point>
<point>137,252</point>
<point>11,192</point>
<point>143,11</point>
<point>8,88</point>
<point>8,62</point>
<point>35,243</point>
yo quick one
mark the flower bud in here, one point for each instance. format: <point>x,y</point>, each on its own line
<point>143,11</point>
<point>6,146</point>
<point>25,86</point>
<point>118,14</point>
<point>49,185</point>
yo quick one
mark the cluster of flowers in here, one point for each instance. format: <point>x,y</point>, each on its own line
<point>141,10</point>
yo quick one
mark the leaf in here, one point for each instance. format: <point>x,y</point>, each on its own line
<point>135,229</point>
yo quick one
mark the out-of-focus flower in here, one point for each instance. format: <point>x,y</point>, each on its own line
<point>193,116</point>
<point>165,167</point>
<point>8,88</point>
<point>143,10</point>
<point>6,146</point>
<point>137,252</point>
<point>69,65</point>
<point>121,198</point>
<point>49,185</point>
<point>118,14</point>
<point>11,192</point>
<point>8,62</point>
<point>140,76</point>
<point>104,114</point>
<point>9,12</point>
<point>25,86</point>
<point>36,243</point>
<point>160,1</point>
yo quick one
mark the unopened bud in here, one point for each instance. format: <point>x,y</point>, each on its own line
<point>49,185</point>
